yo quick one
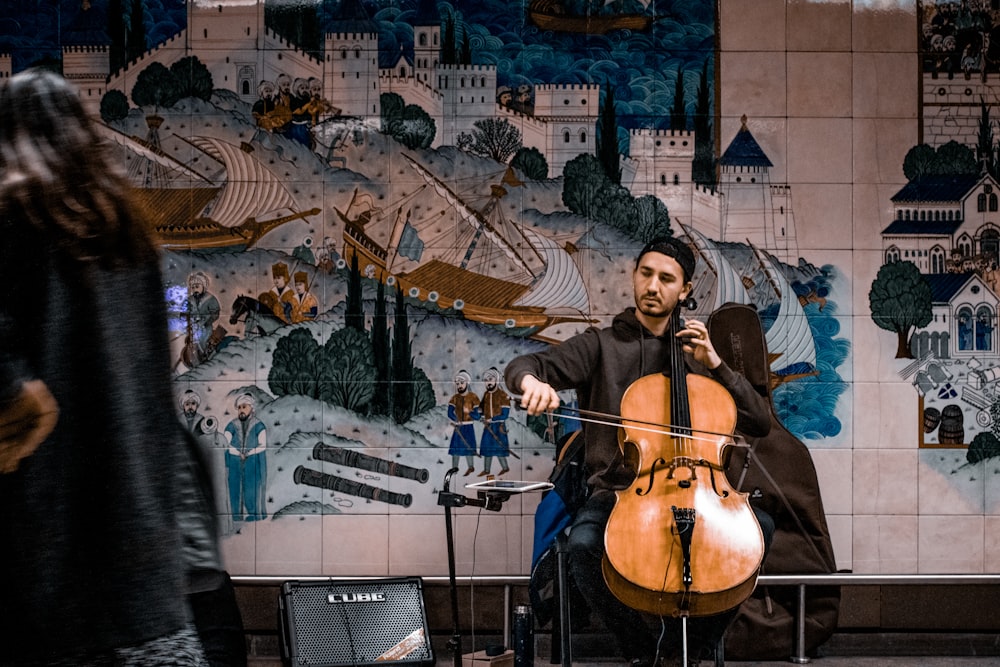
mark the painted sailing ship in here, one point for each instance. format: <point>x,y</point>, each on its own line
<point>790,343</point>
<point>486,267</point>
<point>188,209</point>
<point>554,15</point>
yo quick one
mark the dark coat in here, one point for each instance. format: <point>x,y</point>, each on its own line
<point>91,546</point>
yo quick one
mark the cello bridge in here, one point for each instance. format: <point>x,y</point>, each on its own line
<point>683,462</point>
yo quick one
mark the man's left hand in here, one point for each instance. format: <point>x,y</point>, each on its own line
<point>698,343</point>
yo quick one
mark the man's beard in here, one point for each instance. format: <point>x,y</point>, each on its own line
<point>243,418</point>
<point>653,308</point>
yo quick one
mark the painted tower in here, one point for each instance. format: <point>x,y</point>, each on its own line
<point>755,209</point>
<point>570,113</point>
<point>426,42</point>
<point>351,68</point>
<point>227,38</point>
<point>468,94</point>
<point>661,165</point>
<point>86,52</point>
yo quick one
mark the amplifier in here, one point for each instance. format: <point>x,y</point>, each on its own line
<point>361,622</point>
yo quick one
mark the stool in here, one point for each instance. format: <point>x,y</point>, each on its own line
<point>562,646</point>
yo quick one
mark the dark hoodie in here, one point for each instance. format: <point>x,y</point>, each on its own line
<point>600,364</point>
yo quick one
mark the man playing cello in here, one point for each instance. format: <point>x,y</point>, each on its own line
<point>600,365</point>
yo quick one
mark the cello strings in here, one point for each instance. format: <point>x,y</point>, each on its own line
<point>638,424</point>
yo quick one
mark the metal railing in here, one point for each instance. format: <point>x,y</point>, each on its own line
<point>801,581</point>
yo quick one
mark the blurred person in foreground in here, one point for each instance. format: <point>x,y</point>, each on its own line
<point>91,453</point>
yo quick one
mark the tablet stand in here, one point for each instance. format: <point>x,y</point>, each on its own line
<point>491,500</point>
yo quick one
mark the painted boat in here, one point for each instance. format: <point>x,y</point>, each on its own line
<point>235,206</point>
<point>790,343</point>
<point>486,267</point>
<point>553,15</point>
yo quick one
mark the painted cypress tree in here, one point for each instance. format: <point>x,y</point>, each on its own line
<point>678,116</point>
<point>136,44</point>
<point>354,317</point>
<point>448,49</point>
<point>466,53</point>
<point>607,141</point>
<point>380,352</point>
<point>116,32</point>
<point>401,395</point>
<point>986,148</point>
<point>703,169</point>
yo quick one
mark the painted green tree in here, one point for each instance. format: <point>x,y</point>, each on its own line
<point>900,301</point>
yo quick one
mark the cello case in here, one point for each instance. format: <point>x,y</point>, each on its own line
<point>778,473</point>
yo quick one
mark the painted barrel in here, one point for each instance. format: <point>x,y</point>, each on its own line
<point>932,417</point>
<point>952,429</point>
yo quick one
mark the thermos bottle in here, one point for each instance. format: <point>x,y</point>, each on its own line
<point>524,637</point>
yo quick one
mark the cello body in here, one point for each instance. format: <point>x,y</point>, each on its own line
<point>680,539</point>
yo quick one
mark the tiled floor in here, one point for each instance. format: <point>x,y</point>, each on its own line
<point>843,650</point>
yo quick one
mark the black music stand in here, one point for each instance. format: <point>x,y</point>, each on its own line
<point>491,500</point>
<point>490,495</point>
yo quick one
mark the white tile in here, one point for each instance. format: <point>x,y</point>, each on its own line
<point>951,544</point>
<point>819,84</point>
<point>885,481</point>
<point>819,26</point>
<point>841,529</point>
<point>831,138</point>
<point>291,545</point>
<point>356,545</point>
<point>752,83</point>
<point>883,86</point>
<point>885,27</point>
<point>885,544</point>
<point>752,25</point>
<point>836,479</point>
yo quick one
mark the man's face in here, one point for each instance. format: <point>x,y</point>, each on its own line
<point>461,386</point>
<point>196,289</point>
<point>244,410</point>
<point>658,284</point>
<point>190,407</point>
<point>491,383</point>
<point>300,288</point>
<point>280,281</point>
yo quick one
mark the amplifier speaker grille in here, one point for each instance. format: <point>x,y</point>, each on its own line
<point>363,622</point>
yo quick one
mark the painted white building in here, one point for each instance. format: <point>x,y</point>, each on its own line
<point>240,52</point>
<point>946,224</point>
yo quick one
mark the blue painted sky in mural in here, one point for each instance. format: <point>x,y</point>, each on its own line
<point>643,66</point>
<point>30,30</point>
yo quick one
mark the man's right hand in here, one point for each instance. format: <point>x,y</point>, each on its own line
<point>538,397</point>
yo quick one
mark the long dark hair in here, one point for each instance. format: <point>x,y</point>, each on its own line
<point>56,174</point>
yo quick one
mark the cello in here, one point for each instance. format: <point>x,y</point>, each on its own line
<point>680,540</point>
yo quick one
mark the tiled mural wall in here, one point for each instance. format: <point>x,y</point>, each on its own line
<point>367,209</point>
